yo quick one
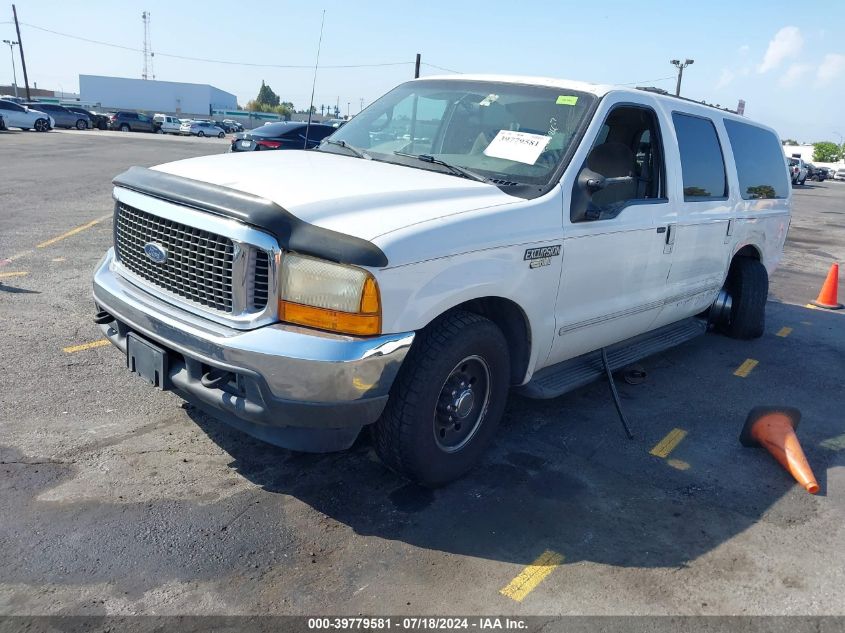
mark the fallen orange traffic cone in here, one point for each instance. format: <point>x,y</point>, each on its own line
<point>774,429</point>
<point>827,295</point>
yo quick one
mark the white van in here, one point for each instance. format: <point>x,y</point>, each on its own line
<point>166,124</point>
<point>460,237</point>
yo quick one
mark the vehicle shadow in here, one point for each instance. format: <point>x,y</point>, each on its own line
<point>561,475</point>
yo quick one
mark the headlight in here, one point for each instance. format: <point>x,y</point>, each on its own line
<point>329,296</point>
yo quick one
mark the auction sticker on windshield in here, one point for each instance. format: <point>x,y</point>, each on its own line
<point>521,147</point>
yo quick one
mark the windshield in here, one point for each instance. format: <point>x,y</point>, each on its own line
<point>506,132</point>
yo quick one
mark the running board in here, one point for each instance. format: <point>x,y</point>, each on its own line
<point>551,382</point>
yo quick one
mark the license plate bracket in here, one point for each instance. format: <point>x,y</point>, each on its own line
<point>147,361</point>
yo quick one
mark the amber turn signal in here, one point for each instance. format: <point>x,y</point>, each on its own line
<point>365,322</point>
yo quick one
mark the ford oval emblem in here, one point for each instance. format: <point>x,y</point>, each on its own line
<point>156,252</point>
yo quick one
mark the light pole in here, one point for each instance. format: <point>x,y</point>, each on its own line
<point>12,44</point>
<point>680,66</point>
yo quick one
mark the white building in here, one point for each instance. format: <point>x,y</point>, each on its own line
<point>116,93</point>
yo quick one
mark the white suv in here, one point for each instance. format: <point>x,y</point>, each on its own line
<point>460,237</point>
<point>798,170</point>
<point>25,118</point>
<point>166,124</point>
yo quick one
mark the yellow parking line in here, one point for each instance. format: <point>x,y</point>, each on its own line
<point>784,332</point>
<point>811,306</point>
<point>532,576</point>
<point>743,370</point>
<point>84,346</point>
<point>78,229</point>
<point>19,273</point>
<point>668,443</point>
<point>678,464</point>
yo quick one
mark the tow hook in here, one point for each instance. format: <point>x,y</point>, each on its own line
<point>103,317</point>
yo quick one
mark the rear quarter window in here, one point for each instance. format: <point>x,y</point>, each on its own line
<point>702,162</point>
<point>759,161</point>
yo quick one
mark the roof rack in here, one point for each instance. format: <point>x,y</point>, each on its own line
<point>665,93</point>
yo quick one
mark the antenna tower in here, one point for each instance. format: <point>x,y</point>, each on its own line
<point>148,73</point>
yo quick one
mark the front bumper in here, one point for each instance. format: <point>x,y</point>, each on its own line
<point>289,386</point>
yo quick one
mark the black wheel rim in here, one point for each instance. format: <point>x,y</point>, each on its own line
<point>462,404</point>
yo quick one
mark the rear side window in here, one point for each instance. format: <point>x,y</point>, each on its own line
<point>702,162</point>
<point>759,161</point>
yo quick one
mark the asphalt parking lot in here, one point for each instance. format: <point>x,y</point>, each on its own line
<point>117,499</point>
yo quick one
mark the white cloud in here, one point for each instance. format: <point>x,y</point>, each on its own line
<point>785,44</point>
<point>793,74</point>
<point>743,50</point>
<point>725,78</point>
<point>831,67</point>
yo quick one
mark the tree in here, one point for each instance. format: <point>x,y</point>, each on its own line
<point>788,141</point>
<point>826,152</point>
<point>266,96</point>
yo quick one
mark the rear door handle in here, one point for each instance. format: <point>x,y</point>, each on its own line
<point>670,238</point>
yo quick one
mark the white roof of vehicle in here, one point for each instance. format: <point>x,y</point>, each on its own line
<point>551,82</point>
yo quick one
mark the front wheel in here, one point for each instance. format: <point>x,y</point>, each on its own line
<point>447,400</point>
<point>802,181</point>
<point>81,125</point>
<point>200,133</point>
<point>221,135</point>
<point>42,125</point>
<point>124,128</point>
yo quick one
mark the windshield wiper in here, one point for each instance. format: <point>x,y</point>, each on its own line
<point>459,171</point>
<point>351,148</point>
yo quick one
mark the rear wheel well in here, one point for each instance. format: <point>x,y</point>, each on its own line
<point>513,323</point>
<point>748,251</point>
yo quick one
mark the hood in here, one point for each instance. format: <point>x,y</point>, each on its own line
<point>358,197</point>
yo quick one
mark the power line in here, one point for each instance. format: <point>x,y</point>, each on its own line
<point>209,60</point>
<point>646,81</point>
<point>448,70</point>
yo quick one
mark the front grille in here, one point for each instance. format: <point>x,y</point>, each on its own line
<point>261,280</point>
<point>198,267</point>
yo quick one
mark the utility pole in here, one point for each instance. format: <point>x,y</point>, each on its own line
<point>12,44</point>
<point>680,66</point>
<point>20,48</point>
<point>362,104</point>
<point>417,67</point>
<point>148,73</point>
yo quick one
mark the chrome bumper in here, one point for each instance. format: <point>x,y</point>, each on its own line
<point>291,386</point>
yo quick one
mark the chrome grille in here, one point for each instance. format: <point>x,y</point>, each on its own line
<point>199,263</point>
<point>261,280</point>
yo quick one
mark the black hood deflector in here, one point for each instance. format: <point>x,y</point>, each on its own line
<point>292,233</point>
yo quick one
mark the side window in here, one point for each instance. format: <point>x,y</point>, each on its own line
<point>702,163</point>
<point>758,156</point>
<point>628,146</point>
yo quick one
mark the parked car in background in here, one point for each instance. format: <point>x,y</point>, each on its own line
<point>202,128</point>
<point>95,120</point>
<point>100,120</point>
<point>839,174</point>
<point>62,116</point>
<point>24,117</point>
<point>335,123</point>
<point>13,99</point>
<point>234,125</point>
<point>131,122</point>
<point>816,173</point>
<point>166,124</point>
<point>798,170</point>
<point>3,123</point>
<point>281,135</point>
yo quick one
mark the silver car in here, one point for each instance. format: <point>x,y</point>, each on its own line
<point>201,128</point>
<point>62,116</point>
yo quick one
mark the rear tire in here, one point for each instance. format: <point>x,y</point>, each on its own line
<point>748,285</point>
<point>221,135</point>
<point>125,128</point>
<point>447,400</point>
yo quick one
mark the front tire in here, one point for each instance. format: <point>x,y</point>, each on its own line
<point>447,400</point>
<point>81,125</point>
<point>42,125</point>
<point>221,135</point>
<point>748,285</point>
<point>124,128</point>
<point>200,133</point>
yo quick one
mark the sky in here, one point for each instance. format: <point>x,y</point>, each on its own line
<point>788,65</point>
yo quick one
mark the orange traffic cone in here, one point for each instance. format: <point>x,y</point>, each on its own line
<point>827,295</point>
<point>774,429</point>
